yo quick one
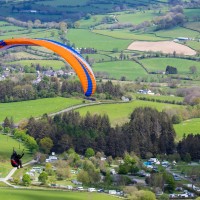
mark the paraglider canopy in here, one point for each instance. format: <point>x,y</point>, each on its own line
<point>77,62</point>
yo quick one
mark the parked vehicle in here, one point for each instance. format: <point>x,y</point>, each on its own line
<point>80,188</point>
<point>191,194</point>
<point>173,195</point>
<point>112,171</point>
<point>134,181</point>
<point>69,187</point>
<point>176,178</point>
<point>183,195</point>
<point>159,193</point>
<point>179,189</point>
<point>92,190</point>
<point>165,164</point>
<point>112,191</point>
<point>76,182</point>
<point>100,190</point>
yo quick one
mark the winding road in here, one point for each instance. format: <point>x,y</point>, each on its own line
<point>5,180</point>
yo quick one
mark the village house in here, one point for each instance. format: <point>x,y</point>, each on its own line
<point>146,91</point>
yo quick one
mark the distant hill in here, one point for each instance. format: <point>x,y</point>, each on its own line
<point>71,10</point>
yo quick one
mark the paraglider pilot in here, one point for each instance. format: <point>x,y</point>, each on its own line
<point>16,159</point>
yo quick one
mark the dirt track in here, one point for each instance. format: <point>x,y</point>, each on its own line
<point>164,46</point>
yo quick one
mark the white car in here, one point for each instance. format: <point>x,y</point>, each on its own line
<point>173,195</point>
<point>183,195</point>
<point>91,190</point>
<point>80,188</point>
<point>69,187</point>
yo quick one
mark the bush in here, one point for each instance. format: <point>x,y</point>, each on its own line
<point>176,119</point>
<point>123,169</point>
<point>43,177</point>
<point>89,152</point>
<point>164,197</point>
<point>26,180</point>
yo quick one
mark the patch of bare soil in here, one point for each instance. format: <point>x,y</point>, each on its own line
<point>164,47</point>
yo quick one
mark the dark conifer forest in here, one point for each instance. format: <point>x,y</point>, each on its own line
<point>147,131</point>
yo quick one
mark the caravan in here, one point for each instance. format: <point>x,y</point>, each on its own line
<point>91,190</point>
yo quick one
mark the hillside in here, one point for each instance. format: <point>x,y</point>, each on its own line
<point>7,144</point>
<point>57,10</point>
<point>137,136</point>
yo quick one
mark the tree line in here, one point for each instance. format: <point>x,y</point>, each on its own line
<point>189,146</point>
<point>174,18</point>
<point>191,95</point>
<point>147,132</point>
<point>11,91</point>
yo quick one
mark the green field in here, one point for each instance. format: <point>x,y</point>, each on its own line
<point>187,127</point>
<point>162,98</point>
<point>119,113</point>
<point>177,32</point>
<point>9,28</point>
<point>117,69</point>
<point>194,45</point>
<point>98,57</point>
<point>3,23</point>
<point>35,108</point>
<point>7,144</point>
<point>25,55</point>
<point>63,2</point>
<point>34,33</point>
<point>93,21</point>
<point>55,64</point>
<point>192,12</point>
<point>182,65</point>
<point>22,194</point>
<point>136,17</point>
<point>193,25</point>
<point>126,34</point>
<point>85,38</point>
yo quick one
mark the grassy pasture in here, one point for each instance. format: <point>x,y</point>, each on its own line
<point>187,127</point>
<point>119,113</point>
<point>162,98</point>
<point>117,69</point>
<point>44,33</point>
<point>40,48</point>
<point>127,35</point>
<point>192,13</point>
<point>11,27</point>
<point>7,144</point>
<point>14,34</point>
<point>35,108</point>
<point>25,55</point>
<point>6,26</point>
<point>3,23</point>
<point>63,2</point>
<point>35,33</point>
<point>194,45</point>
<point>22,194</point>
<point>90,22</point>
<point>98,57</point>
<point>182,65</point>
<point>136,17</point>
<point>55,64</point>
<point>193,25</point>
<point>177,32</point>
<point>86,38</point>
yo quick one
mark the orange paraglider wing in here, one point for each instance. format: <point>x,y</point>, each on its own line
<point>77,62</point>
